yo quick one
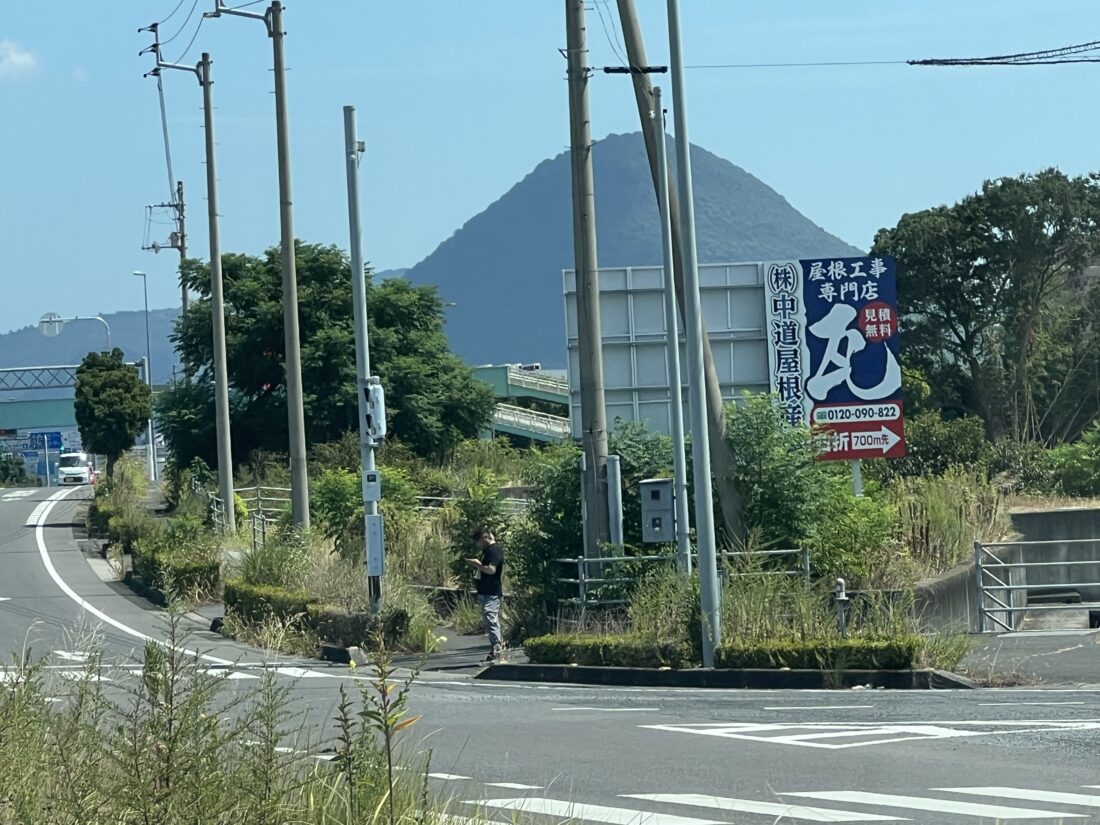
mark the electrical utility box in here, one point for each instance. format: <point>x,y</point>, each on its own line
<point>376,546</point>
<point>658,511</point>
<point>375,398</point>
<point>372,485</point>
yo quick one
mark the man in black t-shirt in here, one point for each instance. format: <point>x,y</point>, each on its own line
<point>487,579</point>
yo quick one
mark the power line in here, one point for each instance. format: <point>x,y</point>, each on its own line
<point>172,13</point>
<point>798,65</point>
<point>1067,54</point>
<point>198,28</point>
<point>183,25</point>
<point>615,46</point>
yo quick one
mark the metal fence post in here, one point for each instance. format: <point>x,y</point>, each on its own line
<point>806,564</point>
<point>841,608</point>
<point>978,575</point>
<point>582,584</point>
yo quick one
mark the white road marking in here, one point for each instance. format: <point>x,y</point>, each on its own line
<point>1015,704</point>
<point>947,806</point>
<point>779,810</point>
<point>299,672</point>
<point>72,656</point>
<point>811,734</point>
<point>449,777</point>
<point>515,786</point>
<point>818,707</point>
<point>1030,795</point>
<point>4,599</point>
<point>592,813</point>
<point>40,536</point>
<point>39,512</point>
<point>17,494</point>
<point>615,710</point>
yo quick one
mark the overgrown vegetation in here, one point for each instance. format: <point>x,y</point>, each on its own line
<point>172,745</point>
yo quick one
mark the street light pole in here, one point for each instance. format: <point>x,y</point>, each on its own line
<point>709,595</point>
<point>299,476</point>
<point>151,449</point>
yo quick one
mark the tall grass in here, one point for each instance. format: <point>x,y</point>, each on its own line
<point>171,745</point>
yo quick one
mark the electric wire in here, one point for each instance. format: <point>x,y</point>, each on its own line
<point>183,25</point>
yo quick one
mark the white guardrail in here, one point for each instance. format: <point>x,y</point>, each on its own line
<point>554,425</point>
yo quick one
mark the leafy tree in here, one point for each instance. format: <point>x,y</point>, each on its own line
<point>433,400</point>
<point>999,313</point>
<point>12,470</point>
<point>112,404</point>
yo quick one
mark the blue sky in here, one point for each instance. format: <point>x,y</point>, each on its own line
<point>459,100</point>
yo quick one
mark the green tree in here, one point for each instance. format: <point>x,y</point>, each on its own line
<point>112,404</point>
<point>432,398</point>
<point>999,313</point>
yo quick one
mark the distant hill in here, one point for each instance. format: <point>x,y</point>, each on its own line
<point>503,267</point>
<point>27,347</point>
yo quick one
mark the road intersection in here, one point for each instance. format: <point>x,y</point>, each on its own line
<point>632,756</point>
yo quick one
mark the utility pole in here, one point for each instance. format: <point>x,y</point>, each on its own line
<point>672,330</point>
<point>217,294</point>
<point>709,596</point>
<point>589,341</point>
<point>353,149</point>
<point>181,245</point>
<point>723,457</point>
<point>299,476</point>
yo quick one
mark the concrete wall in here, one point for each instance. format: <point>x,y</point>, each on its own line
<point>1051,526</point>
<point>950,601</point>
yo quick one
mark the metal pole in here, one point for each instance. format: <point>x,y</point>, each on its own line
<point>978,577</point>
<point>615,499</point>
<point>709,595</point>
<point>182,244</point>
<point>217,308</point>
<point>150,458</point>
<point>593,412</point>
<point>672,331</point>
<point>352,150</point>
<point>299,477</point>
<point>151,449</point>
<point>857,477</point>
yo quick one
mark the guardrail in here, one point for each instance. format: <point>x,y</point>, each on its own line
<point>512,506</point>
<point>552,425</point>
<point>587,583</point>
<point>998,606</point>
<point>271,501</point>
<point>535,381</point>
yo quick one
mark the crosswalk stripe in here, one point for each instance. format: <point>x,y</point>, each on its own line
<point>14,494</point>
<point>777,809</point>
<point>591,813</point>
<point>1088,800</point>
<point>947,806</point>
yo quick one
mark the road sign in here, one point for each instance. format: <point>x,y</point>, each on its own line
<point>40,441</point>
<point>833,352</point>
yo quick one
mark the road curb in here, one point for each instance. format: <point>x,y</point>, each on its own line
<point>762,679</point>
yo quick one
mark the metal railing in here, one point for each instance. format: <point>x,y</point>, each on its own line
<point>271,501</point>
<point>511,506</point>
<point>586,583</point>
<point>536,381</point>
<point>998,592</point>
<point>539,422</point>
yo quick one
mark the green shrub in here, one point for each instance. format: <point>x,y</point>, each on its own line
<point>257,603</point>
<point>855,653</point>
<point>1021,467</point>
<point>664,607</point>
<point>481,506</point>
<point>622,650</point>
<point>281,562</point>
<point>934,445</point>
<point>1076,467</point>
<point>854,536</point>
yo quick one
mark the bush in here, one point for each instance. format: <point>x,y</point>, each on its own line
<point>934,445</point>
<point>1021,467</point>
<point>257,603</point>
<point>856,653</point>
<point>182,559</point>
<point>281,562</point>
<point>854,536</point>
<point>622,650</point>
<point>1076,467</point>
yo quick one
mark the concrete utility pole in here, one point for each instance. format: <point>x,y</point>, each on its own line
<point>217,296</point>
<point>181,245</point>
<point>150,450</point>
<point>723,457</point>
<point>709,597</point>
<point>589,341</point>
<point>672,329</point>
<point>299,476</point>
<point>352,151</point>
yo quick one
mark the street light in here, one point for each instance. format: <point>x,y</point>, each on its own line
<point>51,325</point>
<point>151,448</point>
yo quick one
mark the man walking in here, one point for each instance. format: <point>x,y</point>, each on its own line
<point>487,580</point>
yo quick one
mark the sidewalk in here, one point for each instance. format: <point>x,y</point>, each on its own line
<point>458,654</point>
<point>1058,650</point>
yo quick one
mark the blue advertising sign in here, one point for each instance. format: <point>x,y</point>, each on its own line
<point>41,441</point>
<point>834,354</point>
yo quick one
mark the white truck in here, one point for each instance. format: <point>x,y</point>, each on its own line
<point>75,469</point>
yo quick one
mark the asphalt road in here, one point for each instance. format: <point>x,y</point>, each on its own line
<point>631,756</point>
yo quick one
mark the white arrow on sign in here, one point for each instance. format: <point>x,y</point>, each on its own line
<point>882,439</point>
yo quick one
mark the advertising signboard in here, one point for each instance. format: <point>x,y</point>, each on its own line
<point>833,352</point>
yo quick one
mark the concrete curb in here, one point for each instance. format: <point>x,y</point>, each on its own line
<point>741,679</point>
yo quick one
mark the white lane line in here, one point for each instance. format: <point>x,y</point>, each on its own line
<point>818,707</point>
<point>592,813</point>
<point>778,810</point>
<point>4,599</point>
<point>615,710</point>
<point>1088,800</point>
<point>946,806</point>
<point>1015,704</point>
<point>39,512</point>
<point>515,786</point>
<point>449,777</point>
<point>40,537</point>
